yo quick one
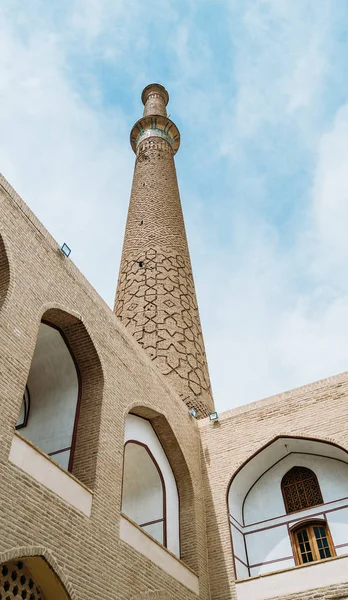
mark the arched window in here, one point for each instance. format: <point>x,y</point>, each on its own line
<point>51,394</point>
<point>143,498</point>
<point>312,542</point>
<point>150,495</point>
<point>61,408</point>
<point>300,489</point>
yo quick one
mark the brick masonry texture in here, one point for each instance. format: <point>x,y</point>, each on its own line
<point>334,592</point>
<point>155,297</point>
<point>118,368</point>
<point>318,411</point>
<point>94,562</point>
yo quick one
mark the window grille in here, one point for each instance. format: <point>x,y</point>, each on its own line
<point>300,489</point>
<point>16,582</point>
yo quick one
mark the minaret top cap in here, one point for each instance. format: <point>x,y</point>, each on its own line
<point>155,99</point>
<point>155,88</point>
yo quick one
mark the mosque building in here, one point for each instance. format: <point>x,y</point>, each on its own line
<point>119,481</point>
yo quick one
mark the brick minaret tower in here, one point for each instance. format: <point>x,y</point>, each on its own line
<point>155,297</point>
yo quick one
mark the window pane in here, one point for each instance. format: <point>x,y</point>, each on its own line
<point>304,545</point>
<point>322,542</point>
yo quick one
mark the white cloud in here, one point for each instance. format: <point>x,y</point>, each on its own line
<point>69,161</point>
<point>330,191</point>
<point>274,314</point>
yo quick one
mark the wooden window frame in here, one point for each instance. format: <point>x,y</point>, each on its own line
<point>309,526</point>
<point>313,475</point>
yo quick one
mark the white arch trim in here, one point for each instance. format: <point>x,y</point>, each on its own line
<point>258,519</point>
<point>257,466</point>
<point>141,430</point>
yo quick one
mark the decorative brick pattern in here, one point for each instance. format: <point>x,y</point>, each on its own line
<point>17,583</point>
<point>155,297</point>
<point>86,554</point>
<point>157,303</point>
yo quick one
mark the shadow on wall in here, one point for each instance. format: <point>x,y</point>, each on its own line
<point>165,493</point>
<point>61,407</point>
<point>4,273</point>
<point>219,546</point>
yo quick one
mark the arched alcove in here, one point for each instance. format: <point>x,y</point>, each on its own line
<point>149,487</point>
<point>61,407</point>
<point>150,428</point>
<point>144,490</point>
<point>30,578</point>
<point>50,402</point>
<point>4,273</point>
<point>259,520</point>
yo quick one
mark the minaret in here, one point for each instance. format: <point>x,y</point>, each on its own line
<point>156,297</point>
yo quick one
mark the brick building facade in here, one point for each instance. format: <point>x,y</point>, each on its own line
<point>110,488</point>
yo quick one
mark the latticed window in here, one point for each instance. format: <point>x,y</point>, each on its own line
<point>312,542</point>
<point>300,489</point>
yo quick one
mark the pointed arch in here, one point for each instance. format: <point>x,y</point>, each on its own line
<point>67,376</point>
<point>261,515</point>
<point>143,478</point>
<point>35,573</point>
<point>300,489</point>
<point>183,482</point>
<point>340,452</point>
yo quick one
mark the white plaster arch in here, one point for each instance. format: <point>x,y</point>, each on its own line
<point>140,430</point>
<point>258,519</point>
<point>53,384</point>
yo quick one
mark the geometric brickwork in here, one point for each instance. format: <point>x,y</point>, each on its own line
<point>156,298</point>
<point>16,583</point>
<point>157,303</point>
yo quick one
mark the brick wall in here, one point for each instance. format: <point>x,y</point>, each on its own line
<point>156,298</point>
<point>116,376</point>
<point>334,592</point>
<point>317,411</point>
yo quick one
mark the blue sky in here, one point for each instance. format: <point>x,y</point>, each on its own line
<point>259,91</point>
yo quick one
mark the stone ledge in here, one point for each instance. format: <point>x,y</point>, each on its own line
<point>144,543</point>
<point>34,462</point>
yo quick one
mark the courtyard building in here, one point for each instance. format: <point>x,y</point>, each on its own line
<point>119,481</point>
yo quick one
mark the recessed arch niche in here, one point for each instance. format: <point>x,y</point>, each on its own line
<point>148,427</point>
<point>64,392</point>
<point>259,522</point>
<point>144,491</point>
